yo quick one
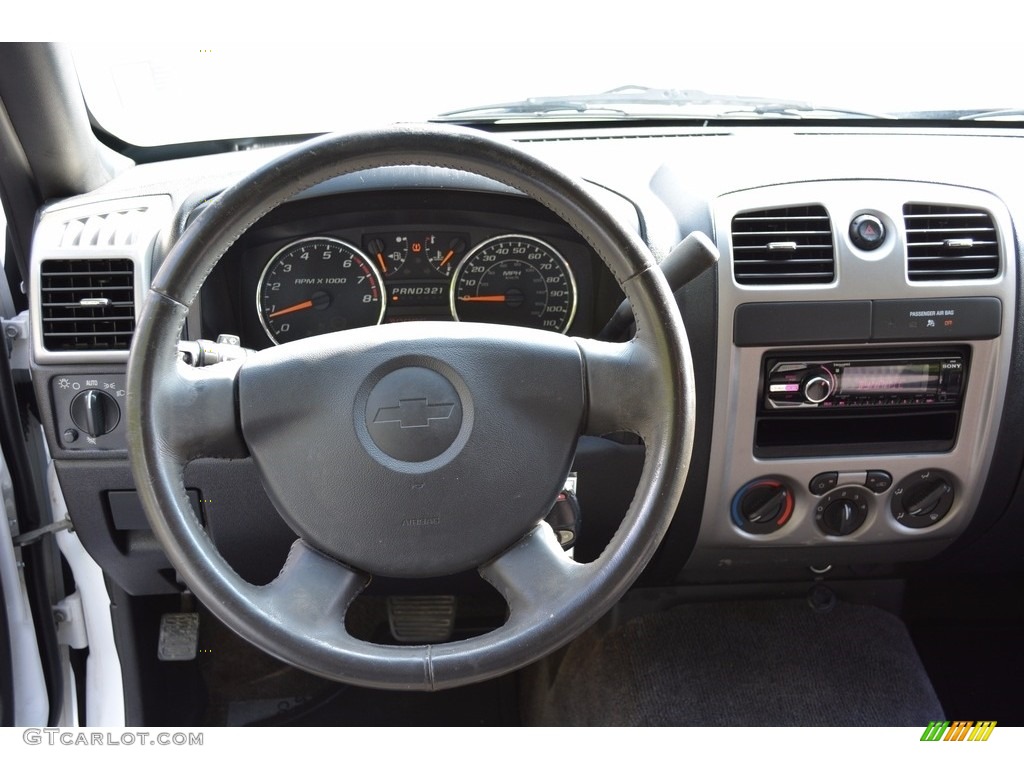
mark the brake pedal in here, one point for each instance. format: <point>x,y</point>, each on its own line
<point>421,618</point>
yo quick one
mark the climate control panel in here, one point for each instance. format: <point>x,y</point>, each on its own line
<point>840,503</point>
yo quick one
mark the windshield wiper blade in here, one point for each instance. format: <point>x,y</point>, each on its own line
<point>1010,113</point>
<point>535,106</point>
<point>643,101</point>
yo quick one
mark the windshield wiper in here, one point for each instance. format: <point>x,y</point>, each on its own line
<point>642,101</point>
<point>1013,113</point>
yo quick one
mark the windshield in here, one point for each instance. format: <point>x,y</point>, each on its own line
<point>867,63</point>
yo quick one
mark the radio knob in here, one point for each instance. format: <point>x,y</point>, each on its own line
<point>818,386</point>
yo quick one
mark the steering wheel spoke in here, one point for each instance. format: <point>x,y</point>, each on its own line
<point>533,574</point>
<point>313,590</point>
<point>205,425</point>
<point>623,387</point>
<point>194,411</point>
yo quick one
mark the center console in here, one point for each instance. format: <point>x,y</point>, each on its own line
<point>860,381</point>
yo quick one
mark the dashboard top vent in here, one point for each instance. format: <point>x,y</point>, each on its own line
<point>114,229</point>
<point>783,246</point>
<point>946,242</point>
<point>87,304</point>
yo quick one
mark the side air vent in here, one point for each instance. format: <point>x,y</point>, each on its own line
<point>87,304</point>
<point>783,246</point>
<point>946,242</point>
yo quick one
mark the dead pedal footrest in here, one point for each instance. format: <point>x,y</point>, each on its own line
<point>421,618</point>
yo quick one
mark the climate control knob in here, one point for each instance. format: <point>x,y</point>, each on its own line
<point>842,511</point>
<point>922,499</point>
<point>762,506</point>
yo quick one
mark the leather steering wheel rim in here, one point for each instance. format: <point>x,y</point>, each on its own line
<point>176,414</point>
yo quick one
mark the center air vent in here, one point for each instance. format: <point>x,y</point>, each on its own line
<point>87,304</point>
<point>946,242</point>
<point>783,246</point>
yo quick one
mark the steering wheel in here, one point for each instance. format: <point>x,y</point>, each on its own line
<point>467,488</point>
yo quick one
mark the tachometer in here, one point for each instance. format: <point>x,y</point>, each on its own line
<point>315,286</point>
<point>515,280</point>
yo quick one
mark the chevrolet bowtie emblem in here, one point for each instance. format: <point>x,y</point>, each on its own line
<point>414,413</point>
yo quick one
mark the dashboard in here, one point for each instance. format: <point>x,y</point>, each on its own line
<point>854,349</point>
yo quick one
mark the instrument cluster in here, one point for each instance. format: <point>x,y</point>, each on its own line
<point>321,284</point>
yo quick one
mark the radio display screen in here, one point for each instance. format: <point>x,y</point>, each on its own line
<point>885,379</point>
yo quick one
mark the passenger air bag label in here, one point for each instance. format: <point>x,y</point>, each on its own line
<point>947,319</point>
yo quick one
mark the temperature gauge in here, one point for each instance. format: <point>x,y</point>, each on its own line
<point>444,253</point>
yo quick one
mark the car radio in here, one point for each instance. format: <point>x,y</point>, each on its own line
<point>877,382</point>
<point>849,403</point>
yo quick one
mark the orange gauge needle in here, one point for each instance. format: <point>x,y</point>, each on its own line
<point>478,298</point>
<point>293,308</point>
<point>447,258</point>
<point>380,260</point>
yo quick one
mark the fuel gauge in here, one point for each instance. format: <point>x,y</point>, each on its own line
<point>389,254</point>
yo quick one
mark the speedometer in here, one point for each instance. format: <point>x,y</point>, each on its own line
<point>515,280</point>
<point>318,285</point>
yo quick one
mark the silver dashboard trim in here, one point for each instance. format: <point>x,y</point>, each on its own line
<point>47,245</point>
<point>879,274</point>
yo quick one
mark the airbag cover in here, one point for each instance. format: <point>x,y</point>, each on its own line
<point>417,449</point>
